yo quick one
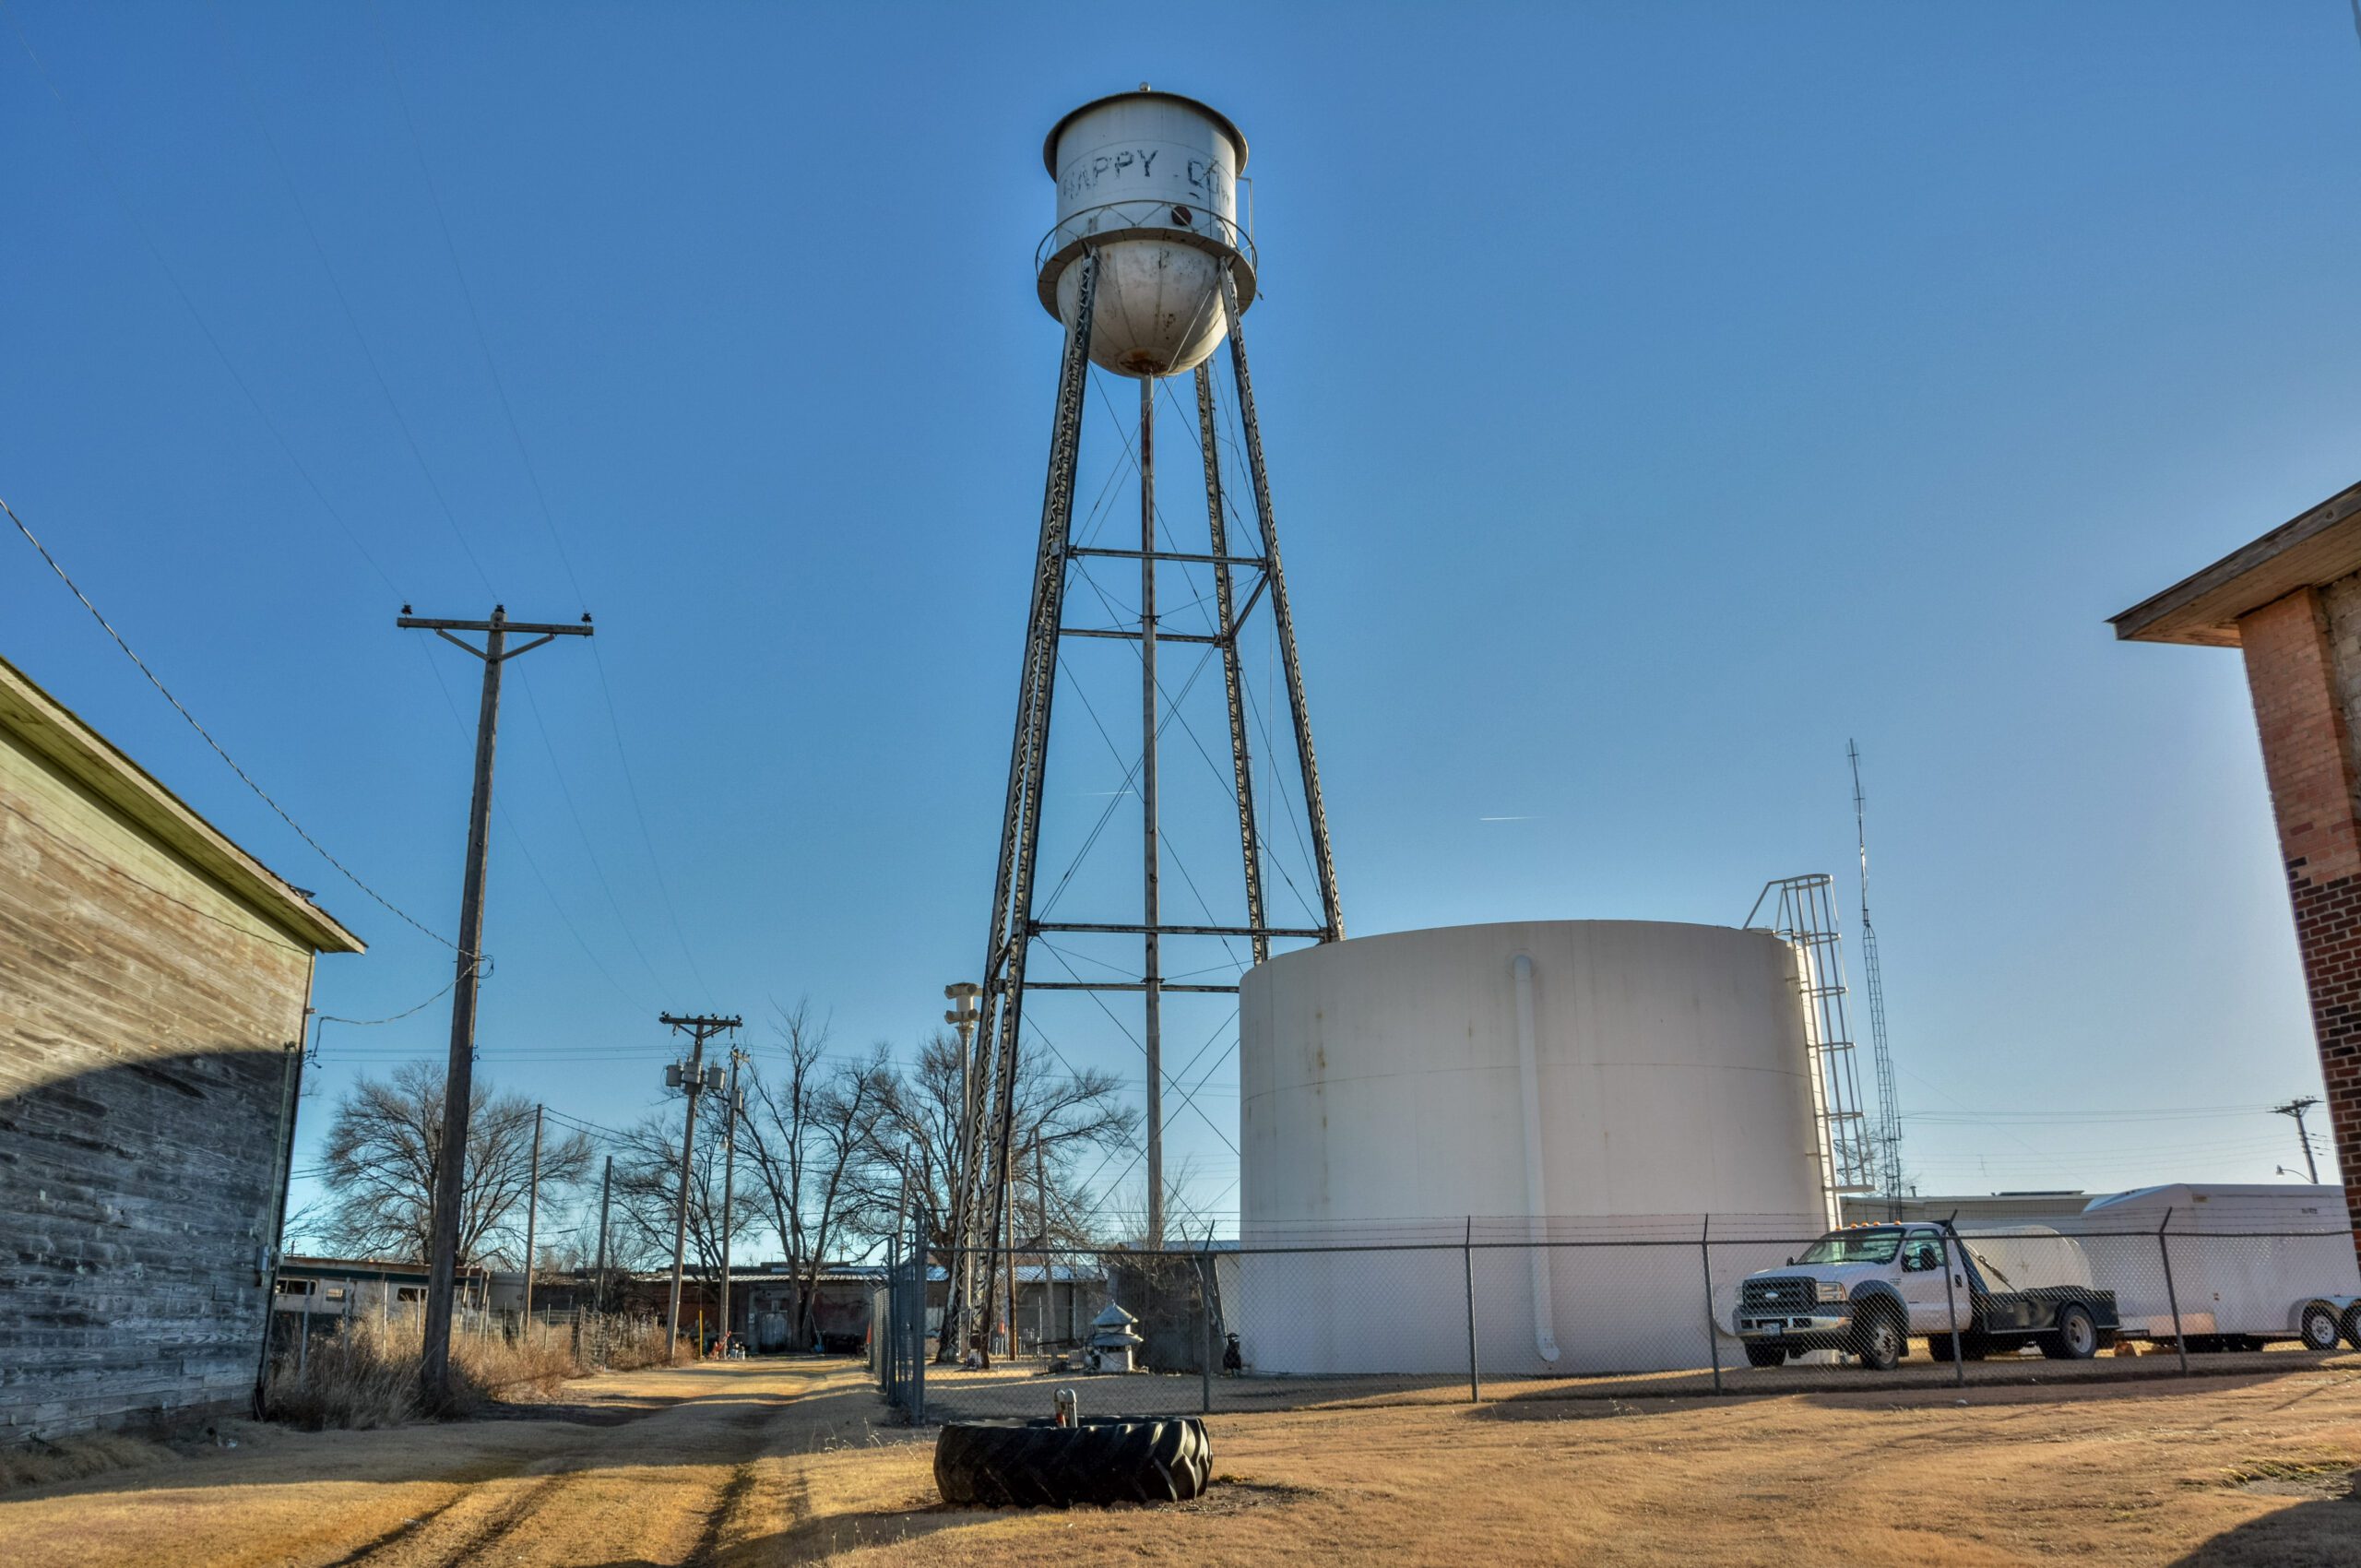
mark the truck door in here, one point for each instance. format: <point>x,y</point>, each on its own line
<point>1924,1286</point>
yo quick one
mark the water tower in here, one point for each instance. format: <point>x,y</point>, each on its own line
<point>1149,271</point>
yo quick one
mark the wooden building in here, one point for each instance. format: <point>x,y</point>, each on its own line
<point>154,980</point>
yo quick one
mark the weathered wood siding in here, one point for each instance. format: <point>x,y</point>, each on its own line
<point>146,1017</point>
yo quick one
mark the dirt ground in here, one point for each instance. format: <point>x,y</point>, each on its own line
<point>787,1462</point>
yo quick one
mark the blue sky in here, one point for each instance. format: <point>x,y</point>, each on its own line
<point>1656,396</point>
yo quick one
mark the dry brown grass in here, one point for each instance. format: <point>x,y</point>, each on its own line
<point>365,1374</point>
<point>746,1464</point>
<point>41,1463</point>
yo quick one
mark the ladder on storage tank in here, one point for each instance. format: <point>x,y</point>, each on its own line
<point>1803,915</point>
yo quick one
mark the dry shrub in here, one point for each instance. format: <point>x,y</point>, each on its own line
<point>363,1373</point>
<point>41,1462</point>
<point>357,1376</point>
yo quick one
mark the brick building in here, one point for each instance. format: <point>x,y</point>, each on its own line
<point>2291,603</point>
<point>153,983</point>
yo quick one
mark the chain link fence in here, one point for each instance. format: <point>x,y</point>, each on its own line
<point>1516,1309</point>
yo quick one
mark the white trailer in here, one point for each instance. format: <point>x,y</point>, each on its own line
<point>2248,1263</point>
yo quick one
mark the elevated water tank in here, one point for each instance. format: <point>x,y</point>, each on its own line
<point>1147,180</point>
<point>1565,1082</point>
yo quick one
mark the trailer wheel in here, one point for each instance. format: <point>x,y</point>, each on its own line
<point>2320,1328</point>
<point>2076,1337</point>
<point>1879,1339</point>
<point>1766,1355</point>
<point>2352,1326</point>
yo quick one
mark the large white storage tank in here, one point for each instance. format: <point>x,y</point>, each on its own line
<point>1575,1081</point>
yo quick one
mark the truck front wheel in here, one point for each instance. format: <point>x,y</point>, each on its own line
<point>1766,1355</point>
<point>2076,1337</point>
<point>1878,1339</point>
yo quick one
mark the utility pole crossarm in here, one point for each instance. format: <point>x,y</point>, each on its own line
<point>543,629</point>
<point>708,1023</point>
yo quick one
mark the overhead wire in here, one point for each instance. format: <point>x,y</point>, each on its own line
<point>207,735</point>
<point>540,496</point>
<point>205,329</point>
<point>344,301</point>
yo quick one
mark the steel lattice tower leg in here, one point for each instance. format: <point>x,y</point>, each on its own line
<point>989,1141</point>
<point>975,1216</point>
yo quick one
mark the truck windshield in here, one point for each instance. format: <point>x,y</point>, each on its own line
<point>1854,1246</point>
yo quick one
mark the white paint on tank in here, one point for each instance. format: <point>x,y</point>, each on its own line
<point>1148,181</point>
<point>1536,1180</point>
<point>1385,1096</point>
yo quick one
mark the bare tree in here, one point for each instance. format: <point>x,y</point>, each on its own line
<point>647,1191</point>
<point>383,1154</point>
<point>810,1129</point>
<point>1066,1128</point>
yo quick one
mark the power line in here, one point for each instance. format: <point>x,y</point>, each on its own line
<point>540,497</point>
<point>335,285</point>
<point>466,293</point>
<point>155,252</point>
<point>246,777</point>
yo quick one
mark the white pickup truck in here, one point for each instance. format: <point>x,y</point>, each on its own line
<point>1867,1289</point>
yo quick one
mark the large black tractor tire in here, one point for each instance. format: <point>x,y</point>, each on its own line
<point>2076,1337</point>
<point>1042,1464</point>
<point>1766,1355</point>
<point>1881,1339</point>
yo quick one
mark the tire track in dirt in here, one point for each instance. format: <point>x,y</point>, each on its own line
<point>731,1497</point>
<point>562,1503</point>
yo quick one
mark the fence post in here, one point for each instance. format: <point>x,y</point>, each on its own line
<point>1951,1310</point>
<point>1206,1312</point>
<point>2172,1296</point>
<point>304,1344</point>
<point>1713,1329</point>
<point>1467,1259</point>
<point>917,1320</point>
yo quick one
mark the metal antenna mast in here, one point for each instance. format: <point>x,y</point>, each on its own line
<point>1888,1124</point>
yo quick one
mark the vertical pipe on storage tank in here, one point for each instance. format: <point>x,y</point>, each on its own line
<point>1537,1201</point>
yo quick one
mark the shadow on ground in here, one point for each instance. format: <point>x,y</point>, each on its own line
<point>2322,1532</point>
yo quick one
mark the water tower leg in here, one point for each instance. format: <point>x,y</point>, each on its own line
<point>976,1218</point>
<point>1282,618</point>
<point>1225,619</point>
<point>1152,973</point>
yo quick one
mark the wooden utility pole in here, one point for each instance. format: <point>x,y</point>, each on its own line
<point>701,1026</point>
<point>606,1191</point>
<point>532,1212</point>
<point>729,1181</point>
<point>450,1169</point>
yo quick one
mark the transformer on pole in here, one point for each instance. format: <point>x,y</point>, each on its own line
<point>1150,273</point>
